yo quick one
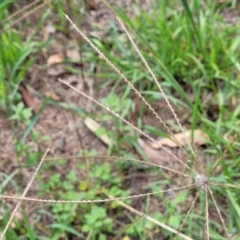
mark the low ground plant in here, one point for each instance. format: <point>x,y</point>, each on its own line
<point>180,59</point>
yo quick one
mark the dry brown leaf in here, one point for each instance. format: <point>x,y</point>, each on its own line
<point>153,154</point>
<point>56,70</point>
<point>73,54</point>
<point>52,95</point>
<point>49,29</point>
<point>92,4</point>
<point>55,58</point>
<point>19,217</point>
<point>199,138</point>
<point>29,100</point>
<point>94,127</point>
<point>72,79</point>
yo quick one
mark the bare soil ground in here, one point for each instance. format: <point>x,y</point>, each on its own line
<point>67,132</point>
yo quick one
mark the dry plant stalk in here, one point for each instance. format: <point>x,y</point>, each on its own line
<point>29,9</point>
<point>202,182</point>
<point>23,195</point>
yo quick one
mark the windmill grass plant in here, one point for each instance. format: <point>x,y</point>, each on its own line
<point>181,55</point>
